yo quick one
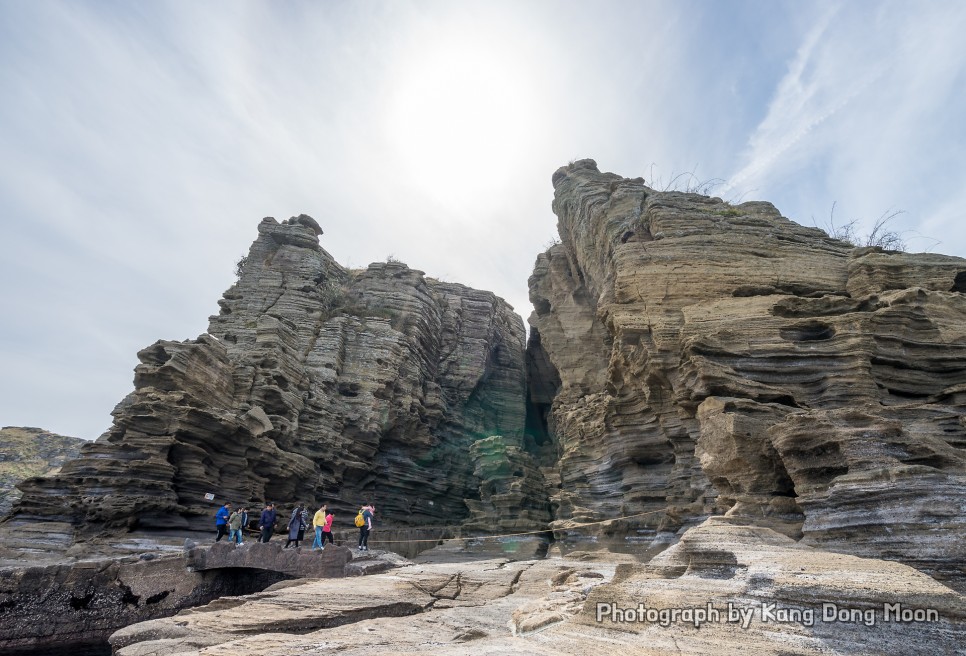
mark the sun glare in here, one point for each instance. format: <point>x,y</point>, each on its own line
<point>459,116</point>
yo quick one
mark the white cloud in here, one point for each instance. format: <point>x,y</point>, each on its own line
<point>141,143</point>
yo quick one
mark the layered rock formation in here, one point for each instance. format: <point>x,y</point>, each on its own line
<point>707,358</point>
<point>65,608</point>
<point>775,596</point>
<point>785,599</point>
<point>687,358</point>
<point>28,452</point>
<point>313,383</point>
<point>513,492</point>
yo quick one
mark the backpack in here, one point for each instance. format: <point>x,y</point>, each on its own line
<point>360,520</point>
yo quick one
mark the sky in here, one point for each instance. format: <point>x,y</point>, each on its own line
<point>142,143</point>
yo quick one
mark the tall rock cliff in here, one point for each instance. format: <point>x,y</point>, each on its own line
<point>313,383</point>
<point>691,357</point>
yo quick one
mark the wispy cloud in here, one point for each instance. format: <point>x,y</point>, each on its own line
<point>140,144</point>
<point>855,119</point>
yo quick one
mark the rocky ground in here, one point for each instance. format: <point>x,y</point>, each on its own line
<point>448,602</point>
<point>64,606</point>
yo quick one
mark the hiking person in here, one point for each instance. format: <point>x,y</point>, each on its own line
<point>318,522</point>
<point>327,529</point>
<point>296,527</point>
<point>266,523</point>
<point>221,521</point>
<point>305,523</point>
<point>367,510</point>
<point>235,523</point>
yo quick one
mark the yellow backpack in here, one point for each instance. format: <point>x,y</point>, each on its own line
<point>360,520</point>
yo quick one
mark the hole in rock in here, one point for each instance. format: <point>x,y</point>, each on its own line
<point>744,291</point>
<point>810,331</point>
<point>161,596</point>
<point>80,603</point>
<point>892,363</point>
<point>825,475</point>
<point>273,403</point>
<point>959,284</point>
<point>781,399</point>
<point>155,355</point>
<point>350,390</point>
<point>542,306</point>
<point>129,598</point>
<point>908,394</point>
<point>654,459</point>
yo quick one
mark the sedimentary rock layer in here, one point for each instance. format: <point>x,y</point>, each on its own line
<point>710,357</point>
<point>313,383</point>
<point>60,608</point>
<point>26,452</point>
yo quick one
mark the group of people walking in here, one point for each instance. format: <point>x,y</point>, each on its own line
<point>232,524</point>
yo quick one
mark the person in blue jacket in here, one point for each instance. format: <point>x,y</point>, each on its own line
<point>267,522</point>
<point>221,521</point>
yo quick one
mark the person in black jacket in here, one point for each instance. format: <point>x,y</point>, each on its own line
<point>267,522</point>
<point>296,527</point>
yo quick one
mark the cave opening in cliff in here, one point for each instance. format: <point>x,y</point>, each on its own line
<point>959,284</point>
<point>537,428</point>
<point>543,382</point>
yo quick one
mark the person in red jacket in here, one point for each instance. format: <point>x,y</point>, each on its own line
<point>327,529</point>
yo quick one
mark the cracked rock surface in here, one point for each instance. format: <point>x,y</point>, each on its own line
<point>409,609</point>
<point>550,606</point>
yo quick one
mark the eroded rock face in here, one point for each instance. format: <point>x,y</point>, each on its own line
<point>26,452</point>
<point>313,383</point>
<point>580,605</point>
<point>712,358</point>
<point>60,608</point>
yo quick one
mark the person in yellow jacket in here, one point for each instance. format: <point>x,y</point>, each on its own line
<point>318,521</point>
